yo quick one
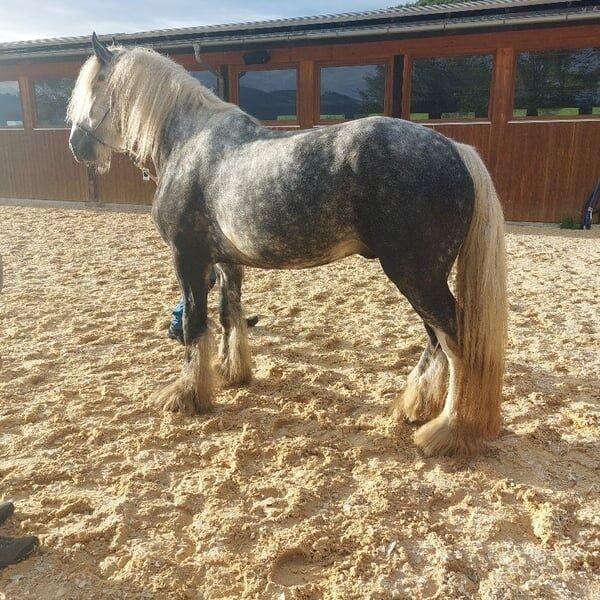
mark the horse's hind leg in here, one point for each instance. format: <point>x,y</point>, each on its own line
<point>448,433</point>
<point>423,395</point>
<point>192,392</point>
<point>234,350</point>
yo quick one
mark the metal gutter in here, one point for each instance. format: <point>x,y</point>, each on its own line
<point>405,13</point>
<point>225,41</point>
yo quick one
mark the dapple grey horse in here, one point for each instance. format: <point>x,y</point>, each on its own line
<point>233,192</point>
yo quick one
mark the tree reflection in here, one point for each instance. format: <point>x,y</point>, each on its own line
<point>445,87</point>
<point>557,82</point>
<point>51,99</point>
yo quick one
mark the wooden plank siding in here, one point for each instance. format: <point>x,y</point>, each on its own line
<point>545,170</point>
<point>38,164</point>
<point>543,167</point>
<point>124,184</point>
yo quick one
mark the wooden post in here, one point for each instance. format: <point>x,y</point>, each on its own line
<point>223,83</point>
<point>92,185</point>
<point>26,102</point>
<point>307,94</point>
<point>397,85</point>
<point>502,91</point>
<point>501,102</point>
<point>406,87</point>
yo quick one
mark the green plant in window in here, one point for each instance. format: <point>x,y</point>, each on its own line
<point>459,115</point>
<point>566,111</point>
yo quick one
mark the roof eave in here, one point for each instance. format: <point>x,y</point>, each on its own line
<point>228,42</point>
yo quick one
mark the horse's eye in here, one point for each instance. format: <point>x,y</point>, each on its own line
<point>101,78</point>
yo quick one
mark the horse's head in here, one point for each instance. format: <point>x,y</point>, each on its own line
<point>94,131</point>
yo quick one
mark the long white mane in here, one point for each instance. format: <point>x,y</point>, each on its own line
<point>145,89</point>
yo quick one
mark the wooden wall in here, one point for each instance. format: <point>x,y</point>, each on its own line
<point>39,164</point>
<point>543,167</point>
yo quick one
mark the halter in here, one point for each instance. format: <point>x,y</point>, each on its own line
<point>92,133</point>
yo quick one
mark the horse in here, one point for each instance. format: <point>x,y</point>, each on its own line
<point>233,193</point>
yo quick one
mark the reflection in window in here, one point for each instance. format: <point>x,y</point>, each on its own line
<point>206,78</point>
<point>269,95</point>
<point>558,82</point>
<point>51,97</point>
<point>11,114</point>
<point>450,88</point>
<point>352,92</point>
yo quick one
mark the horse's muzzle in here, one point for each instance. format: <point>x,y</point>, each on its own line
<point>83,145</point>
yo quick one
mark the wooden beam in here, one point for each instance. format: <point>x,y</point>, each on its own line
<point>397,85</point>
<point>406,87</point>
<point>26,102</point>
<point>307,93</point>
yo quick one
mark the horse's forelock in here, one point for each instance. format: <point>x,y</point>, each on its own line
<point>80,102</point>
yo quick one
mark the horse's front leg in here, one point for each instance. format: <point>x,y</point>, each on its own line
<point>234,351</point>
<point>192,392</point>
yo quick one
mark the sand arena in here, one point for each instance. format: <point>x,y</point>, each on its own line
<point>298,486</point>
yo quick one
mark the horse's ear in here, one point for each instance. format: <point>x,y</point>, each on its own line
<point>103,54</point>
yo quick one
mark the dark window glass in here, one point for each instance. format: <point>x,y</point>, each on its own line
<point>269,95</point>
<point>558,82</point>
<point>352,92</point>
<point>11,114</point>
<point>207,79</point>
<point>451,88</point>
<point>51,97</point>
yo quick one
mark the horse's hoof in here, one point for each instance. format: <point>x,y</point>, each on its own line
<point>180,397</point>
<point>440,438</point>
<point>409,407</point>
<point>234,376</point>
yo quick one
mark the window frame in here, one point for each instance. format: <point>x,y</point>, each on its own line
<point>386,61</point>
<point>34,115</point>
<point>235,89</point>
<point>410,58</point>
<point>22,126</point>
<point>542,118</point>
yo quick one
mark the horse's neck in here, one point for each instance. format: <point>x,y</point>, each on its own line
<point>227,125</point>
<point>180,127</point>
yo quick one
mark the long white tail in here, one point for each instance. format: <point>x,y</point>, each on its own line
<point>472,408</point>
<point>481,293</point>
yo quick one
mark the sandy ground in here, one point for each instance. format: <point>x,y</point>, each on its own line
<point>298,486</point>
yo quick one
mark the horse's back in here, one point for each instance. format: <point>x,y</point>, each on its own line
<point>311,197</point>
<point>407,184</point>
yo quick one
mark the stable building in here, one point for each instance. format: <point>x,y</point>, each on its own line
<point>518,79</point>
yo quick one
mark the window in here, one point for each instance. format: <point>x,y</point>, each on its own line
<point>51,97</point>
<point>11,113</point>
<point>451,88</point>
<point>352,92</point>
<point>558,83</point>
<point>206,78</point>
<point>269,95</point>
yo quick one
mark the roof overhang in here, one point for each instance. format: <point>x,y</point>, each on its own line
<point>400,22</point>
